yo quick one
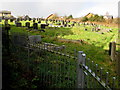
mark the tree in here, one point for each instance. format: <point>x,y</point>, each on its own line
<point>96,18</point>
<point>84,19</point>
<point>70,17</point>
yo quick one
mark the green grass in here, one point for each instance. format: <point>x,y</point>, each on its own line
<point>94,48</point>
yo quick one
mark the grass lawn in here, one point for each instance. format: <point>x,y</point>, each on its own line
<point>94,48</point>
<point>94,45</point>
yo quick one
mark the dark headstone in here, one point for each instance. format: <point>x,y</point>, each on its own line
<point>43,26</point>
<point>63,22</point>
<point>35,26</point>
<point>18,24</point>
<point>85,29</point>
<point>69,25</point>
<point>72,25</point>
<point>11,20</point>
<point>30,19</point>
<point>39,21</point>
<point>56,21</point>
<point>65,25</point>
<point>33,21</point>
<point>27,24</point>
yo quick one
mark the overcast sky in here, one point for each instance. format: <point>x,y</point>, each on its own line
<point>43,8</point>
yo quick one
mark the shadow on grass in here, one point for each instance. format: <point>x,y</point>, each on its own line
<point>16,74</point>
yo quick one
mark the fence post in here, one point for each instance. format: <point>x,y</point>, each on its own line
<point>79,70</point>
<point>83,75</point>
<point>113,51</point>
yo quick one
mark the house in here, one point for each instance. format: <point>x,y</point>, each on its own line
<point>52,16</point>
<point>107,16</point>
<point>5,14</point>
<point>89,15</point>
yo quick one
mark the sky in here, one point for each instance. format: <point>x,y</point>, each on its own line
<point>43,8</point>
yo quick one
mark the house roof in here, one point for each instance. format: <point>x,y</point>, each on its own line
<point>5,12</point>
<point>89,15</point>
<point>49,16</point>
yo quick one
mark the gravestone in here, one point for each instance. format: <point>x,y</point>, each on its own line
<point>43,26</point>
<point>72,24</point>
<point>18,24</point>
<point>39,21</point>
<point>35,26</point>
<point>85,29</point>
<point>30,19</point>
<point>27,24</point>
<point>65,25</point>
<point>69,25</point>
<point>33,21</point>
<point>56,21</point>
<point>59,23</point>
<point>34,39</point>
<point>63,22</point>
<point>11,20</point>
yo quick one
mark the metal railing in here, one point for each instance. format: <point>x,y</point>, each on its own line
<point>57,69</point>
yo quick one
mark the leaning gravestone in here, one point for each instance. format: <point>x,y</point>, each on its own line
<point>27,24</point>
<point>35,26</point>
<point>34,39</point>
<point>18,24</point>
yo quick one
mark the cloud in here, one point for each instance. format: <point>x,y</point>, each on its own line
<point>101,9</point>
<point>77,9</point>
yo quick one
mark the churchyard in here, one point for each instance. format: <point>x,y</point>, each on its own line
<point>91,38</point>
